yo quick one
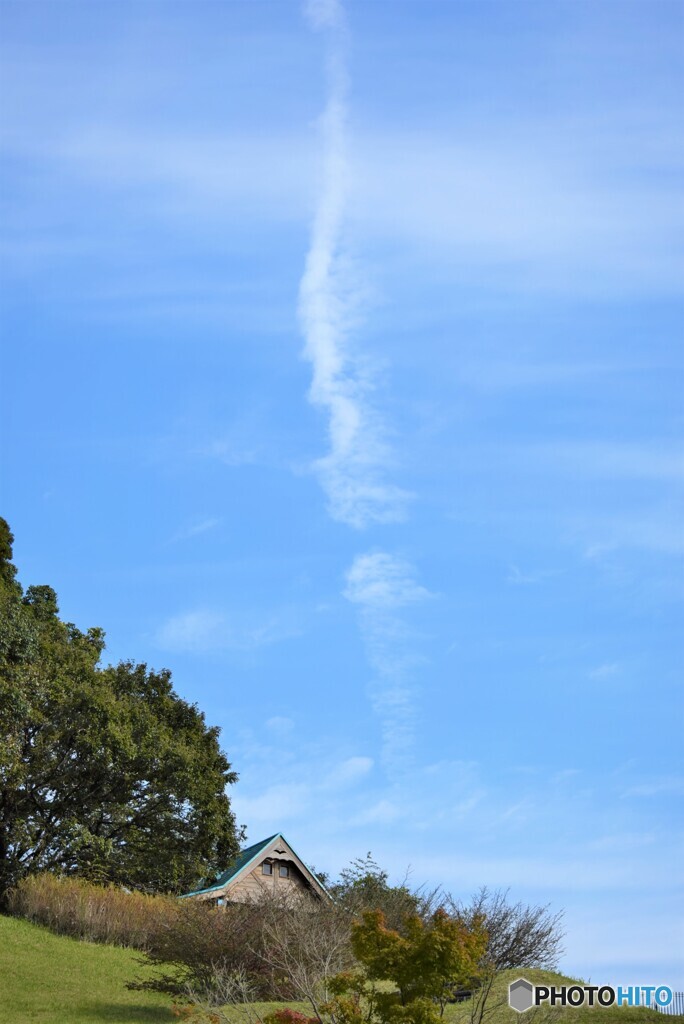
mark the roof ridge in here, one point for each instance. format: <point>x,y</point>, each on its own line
<point>245,858</point>
<point>262,842</point>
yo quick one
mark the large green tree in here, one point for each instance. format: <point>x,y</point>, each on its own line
<point>104,771</point>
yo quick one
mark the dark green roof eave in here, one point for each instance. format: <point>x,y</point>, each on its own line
<point>244,859</point>
<point>241,861</point>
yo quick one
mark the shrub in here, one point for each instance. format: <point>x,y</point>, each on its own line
<point>204,945</point>
<point>307,945</point>
<point>288,1016</point>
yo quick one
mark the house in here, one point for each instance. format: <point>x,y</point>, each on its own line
<point>270,867</point>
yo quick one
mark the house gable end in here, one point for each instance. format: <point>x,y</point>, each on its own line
<point>279,850</point>
<point>244,875</point>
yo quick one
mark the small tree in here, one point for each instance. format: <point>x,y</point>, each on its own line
<point>364,885</point>
<point>518,935</point>
<point>308,944</point>
<point>424,964</point>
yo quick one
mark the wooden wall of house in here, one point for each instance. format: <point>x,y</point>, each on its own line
<point>255,884</point>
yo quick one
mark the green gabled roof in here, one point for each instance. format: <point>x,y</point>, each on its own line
<point>240,862</point>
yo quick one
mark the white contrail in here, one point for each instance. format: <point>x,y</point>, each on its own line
<point>381,585</point>
<point>352,471</point>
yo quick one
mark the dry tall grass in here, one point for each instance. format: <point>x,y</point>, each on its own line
<point>191,943</point>
<point>71,906</point>
<point>279,947</point>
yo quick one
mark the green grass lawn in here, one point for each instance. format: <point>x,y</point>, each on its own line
<point>50,979</point>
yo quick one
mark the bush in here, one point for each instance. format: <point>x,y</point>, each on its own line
<point>309,946</point>
<point>519,935</point>
<point>288,1016</point>
<point>72,906</point>
<point>204,945</point>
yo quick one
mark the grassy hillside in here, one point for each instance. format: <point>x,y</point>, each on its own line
<point>50,979</point>
<point>501,1013</point>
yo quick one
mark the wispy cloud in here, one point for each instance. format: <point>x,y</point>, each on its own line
<point>516,217</point>
<point>306,788</point>
<point>349,772</point>
<point>522,212</point>
<point>196,528</point>
<point>203,630</point>
<point>280,725</point>
<point>384,812</point>
<point>605,671</point>
<point>669,785</point>
<point>247,439</point>
<point>279,803</point>
<point>229,452</point>
<point>519,578</point>
<point>660,461</point>
<point>352,473</point>
<point>380,581</point>
<point>380,585</point>
<point>656,529</point>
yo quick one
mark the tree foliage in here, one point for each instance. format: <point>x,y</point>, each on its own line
<point>519,935</point>
<point>104,771</point>
<point>364,885</point>
<point>425,964</point>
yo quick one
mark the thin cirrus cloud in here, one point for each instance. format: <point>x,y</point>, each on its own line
<point>521,217</point>
<point>197,528</point>
<point>519,578</point>
<point>378,581</point>
<point>206,630</point>
<point>657,530</point>
<point>352,473</point>
<point>381,585</point>
<point>295,798</point>
<point>606,671</point>
<point>525,209</point>
<point>671,785</point>
<point>659,461</point>
<point>525,233</point>
<point>563,197</point>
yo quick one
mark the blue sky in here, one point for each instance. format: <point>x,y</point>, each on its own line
<point>342,375</point>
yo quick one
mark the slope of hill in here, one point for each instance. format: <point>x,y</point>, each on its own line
<point>50,979</point>
<point>499,1011</point>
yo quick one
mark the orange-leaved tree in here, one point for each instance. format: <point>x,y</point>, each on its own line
<point>426,962</point>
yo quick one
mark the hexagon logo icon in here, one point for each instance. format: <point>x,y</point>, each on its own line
<point>520,995</point>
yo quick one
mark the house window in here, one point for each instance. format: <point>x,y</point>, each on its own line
<point>284,871</point>
<point>267,868</point>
